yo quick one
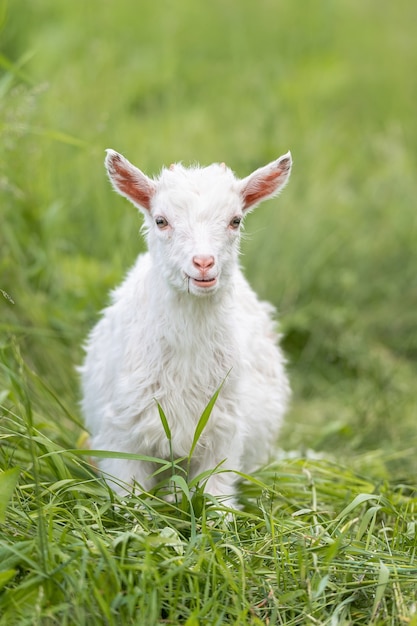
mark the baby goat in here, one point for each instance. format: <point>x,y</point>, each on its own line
<point>184,320</point>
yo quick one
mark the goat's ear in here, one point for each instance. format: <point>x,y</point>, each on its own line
<point>129,181</point>
<point>265,182</point>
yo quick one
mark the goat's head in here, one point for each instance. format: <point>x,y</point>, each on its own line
<point>193,216</point>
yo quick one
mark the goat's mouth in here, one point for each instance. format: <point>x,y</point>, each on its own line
<point>202,283</point>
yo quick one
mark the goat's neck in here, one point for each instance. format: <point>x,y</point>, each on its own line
<point>186,318</point>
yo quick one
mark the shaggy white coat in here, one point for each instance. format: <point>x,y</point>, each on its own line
<point>183,319</point>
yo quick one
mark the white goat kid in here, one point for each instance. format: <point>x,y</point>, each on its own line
<point>182,320</point>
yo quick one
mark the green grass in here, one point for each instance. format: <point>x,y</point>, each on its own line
<point>327,533</point>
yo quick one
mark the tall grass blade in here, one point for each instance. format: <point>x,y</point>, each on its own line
<point>360,499</point>
<point>14,69</point>
<point>8,482</point>
<point>58,136</point>
<point>383,579</point>
<point>164,421</point>
<point>205,416</point>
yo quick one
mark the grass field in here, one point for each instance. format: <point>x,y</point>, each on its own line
<point>328,532</point>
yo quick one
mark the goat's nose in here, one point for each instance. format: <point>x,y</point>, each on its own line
<point>203,262</point>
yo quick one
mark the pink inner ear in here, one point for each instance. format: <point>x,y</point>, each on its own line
<point>262,186</point>
<point>131,183</point>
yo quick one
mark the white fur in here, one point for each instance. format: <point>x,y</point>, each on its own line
<point>170,339</point>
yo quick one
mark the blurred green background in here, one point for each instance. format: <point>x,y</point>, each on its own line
<point>242,82</point>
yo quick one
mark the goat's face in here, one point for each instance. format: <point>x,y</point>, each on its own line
<point>193,217</point>
<point>193,227</point>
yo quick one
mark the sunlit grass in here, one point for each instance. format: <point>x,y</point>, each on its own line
<point>316,541</point>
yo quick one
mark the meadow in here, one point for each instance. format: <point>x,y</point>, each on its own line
<point>327,533</point>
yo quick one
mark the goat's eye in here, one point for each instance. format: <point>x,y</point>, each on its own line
<point>161,222</point>
<point>235,222</point>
